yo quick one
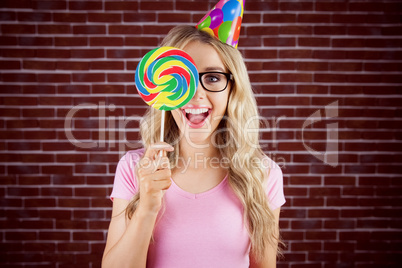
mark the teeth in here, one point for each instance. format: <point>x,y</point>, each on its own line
<point>196,111</point>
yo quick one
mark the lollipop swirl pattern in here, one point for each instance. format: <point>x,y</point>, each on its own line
<point>166,78</point>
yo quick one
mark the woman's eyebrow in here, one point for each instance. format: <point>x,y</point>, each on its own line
<point>215,68</point>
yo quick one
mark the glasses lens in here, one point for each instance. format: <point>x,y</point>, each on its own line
<point>214,81</point>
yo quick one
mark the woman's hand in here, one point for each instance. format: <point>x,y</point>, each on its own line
<point>154,177</point>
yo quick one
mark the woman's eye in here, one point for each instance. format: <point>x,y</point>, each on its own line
<point>212,79</point>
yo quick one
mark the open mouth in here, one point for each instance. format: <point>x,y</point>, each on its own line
<point>196,118</point>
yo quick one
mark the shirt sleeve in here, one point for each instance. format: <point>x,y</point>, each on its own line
<point>274,185</point>
<point>125,181</point>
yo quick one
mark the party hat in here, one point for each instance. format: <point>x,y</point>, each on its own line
<point>224,21</point>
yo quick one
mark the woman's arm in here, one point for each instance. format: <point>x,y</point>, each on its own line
<point>127,243</point>
<point>269,259</point>
<point>128,239</point>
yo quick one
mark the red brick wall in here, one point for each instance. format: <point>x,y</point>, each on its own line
<point>338,61</point>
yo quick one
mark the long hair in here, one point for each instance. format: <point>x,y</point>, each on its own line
<point>233,138</point>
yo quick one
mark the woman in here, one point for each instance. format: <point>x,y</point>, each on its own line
<point>212,199</point>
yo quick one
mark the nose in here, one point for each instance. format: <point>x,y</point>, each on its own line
<point>200,92</point>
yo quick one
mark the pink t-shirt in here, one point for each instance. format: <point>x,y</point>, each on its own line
<point>197,230</point>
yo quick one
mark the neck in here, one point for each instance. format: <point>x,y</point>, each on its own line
<point>197,155</point>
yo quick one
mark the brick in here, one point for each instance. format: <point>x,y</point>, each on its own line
<point>314,42</point>
<point>339,224</point>
<point>35,41</point>
<point>323,213</point>
<point>30,16</point>
<point>71,41</point>
<point>261,30</point>
<point>92,191</point>
<point>263,78</point>
<point>17,29</point>
<point>97,169</point>
<point>28,236</point>
<point>296,6</point>
<point>104,17</point>
<point>139,17</point>
<point>295,77</point>
<point>308,89</point>
<point>279,18</point>
<point>23,146</point>
<point>310,202</point>
<point>109,88</point>
<point>251,54</point>
<point>304,180</point>
<point>99,224</point>
<point>55,101</point>
<point>325,191</point>
<point>40,202</point>
<point>120,78</point>
<point>141,41</point>
<point>39,65</point>
<point>89,214</point>
<point>26,169</point>
<point>54,29</point>
<point>123,53</point>
<point>87,53</point>
<point>54,78</point>
<point>34,180</point>
<point>110,41</point>
<point>313,18</point>
<point>88,77</point>
<point>80,236</point>
<point>73,247</point>
<point>14,77</point>
<point>49,5</point>
<point>305,246</point>
<point>18,53</point>
<point>295,53</point>
<point>89,29</point>
<point>174,17</point>
<point>339,180</point>
<point>55,214</point>
<point>320,235</point>
<point>153,5</point>
<point>298,30</point>
<point>73,202</point>
<point>8,41</point>
<point>7,16</point>
<point>70,17</point>
<point>126,30</point>
<point>289,191</point>
<point>53,53</point>
<point>84,5</point>
<point>22,123</point>
<point>121,5</point>
<point>346,67</point>
<point>72,65</point>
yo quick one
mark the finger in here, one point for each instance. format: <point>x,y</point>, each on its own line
<point>153,149</point>
<point>161,163</point>
<point>162,174</point>
<point>157,185</point>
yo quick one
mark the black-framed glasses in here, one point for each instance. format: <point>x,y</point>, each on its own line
<point>215,81</point>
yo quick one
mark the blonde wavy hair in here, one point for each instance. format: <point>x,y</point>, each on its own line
<point>241,148</point>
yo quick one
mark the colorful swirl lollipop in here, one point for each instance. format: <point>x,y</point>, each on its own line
<point>166,78</point>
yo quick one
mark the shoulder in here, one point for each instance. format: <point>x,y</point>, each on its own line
<point>271,168</point>
<point>125,182</point>
<point>273,182</point>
